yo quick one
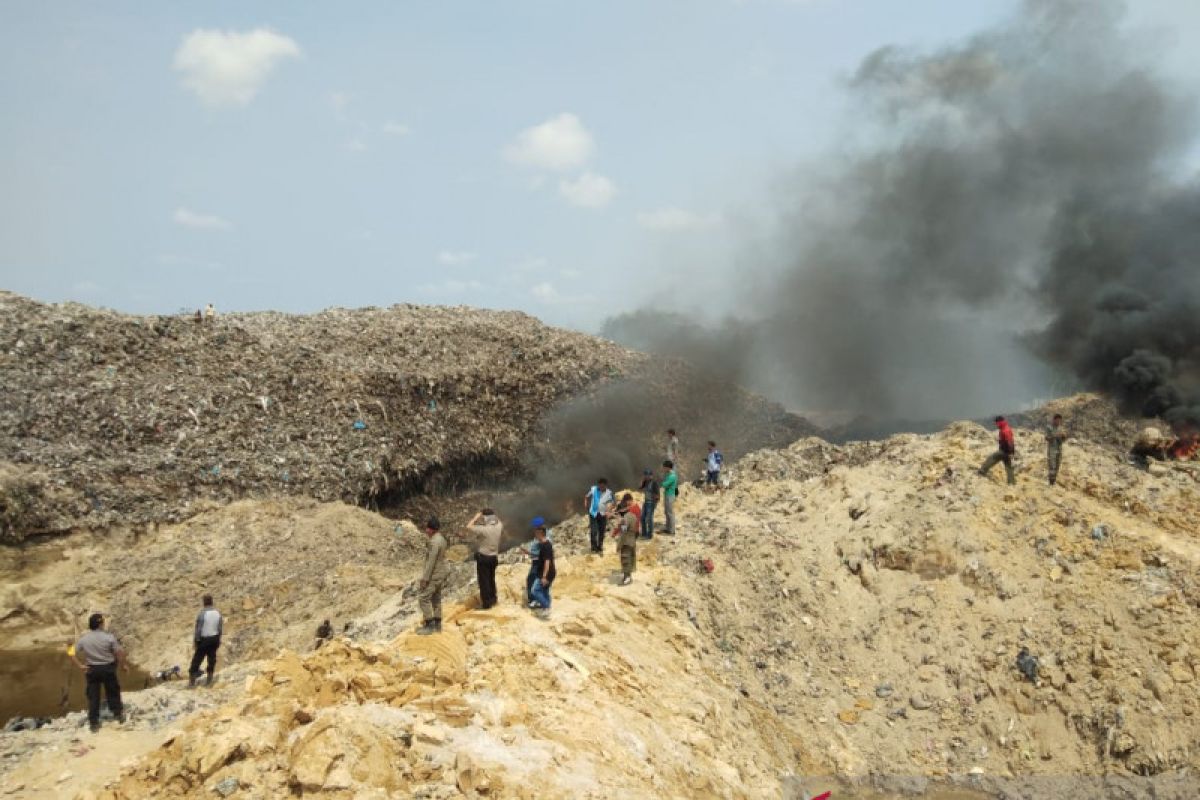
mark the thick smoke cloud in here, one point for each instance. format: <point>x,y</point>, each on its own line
<point>1023,192</point>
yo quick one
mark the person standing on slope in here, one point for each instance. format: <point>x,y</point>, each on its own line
<point>1056,434</point>
<point>1005,452</point>
<point>433,579</point>
<point>670,489</point>
<point>486,528</point>
<point>598,501</point>
<point>672,446</point>
<point>627,533</point>
<point>712,474</point>
<point>650,494</point>
<point>98,654</point>
<point>543,567</point>
<point>532,550</point>
<point>207,638</point>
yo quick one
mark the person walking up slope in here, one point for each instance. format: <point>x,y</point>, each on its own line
<point>1005,452</point>
<point>433,579</point>
<point>209,627</point>
<point>1056,434</point>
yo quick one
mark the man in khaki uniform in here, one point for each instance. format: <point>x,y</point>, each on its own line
<point>627,529</point>
<point>433,579</point>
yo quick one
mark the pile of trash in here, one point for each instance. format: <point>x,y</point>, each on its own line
<point>112,419</point>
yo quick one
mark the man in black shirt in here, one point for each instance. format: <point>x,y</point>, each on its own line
<point>543,569</point>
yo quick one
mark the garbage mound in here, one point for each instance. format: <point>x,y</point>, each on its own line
<point>112,419</point>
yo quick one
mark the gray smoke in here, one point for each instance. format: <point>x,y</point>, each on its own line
<point>1018,195</point>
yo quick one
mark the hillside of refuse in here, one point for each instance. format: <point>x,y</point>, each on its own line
<point>116,420</point>
<point>879,621</point>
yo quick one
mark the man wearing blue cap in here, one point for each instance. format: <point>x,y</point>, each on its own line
<point>531,550</point>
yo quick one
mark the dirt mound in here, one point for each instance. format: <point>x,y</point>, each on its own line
<point>880,621</point>
<point>110,419</point>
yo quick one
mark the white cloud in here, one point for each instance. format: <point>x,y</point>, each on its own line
<point>560,143</point>
<point>588,190</point>
<point>545,292</point>
<point>454,258</point>
<point>676,219</point>
<point>396,129</point>
<point>571,272</point>
<point>356,145</point>
<point>206,222</point>
<point>227,68</point>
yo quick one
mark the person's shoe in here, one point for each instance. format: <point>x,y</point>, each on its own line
<point>208,681</point>
<point>427,628</point>
<point>628,579</point>
<point>94,727</point>
<point>121,717</point>
<point>437,624</point>
<point>534,604</point>
<point>192,681</point>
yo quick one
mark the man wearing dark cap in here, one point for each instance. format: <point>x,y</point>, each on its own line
<point>650,492</point>
<point>433,579</point>
<point>98,654</point>
<point>486,528</point>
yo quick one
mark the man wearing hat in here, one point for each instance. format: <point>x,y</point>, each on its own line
<point>650,492</point>
<point>532,550</point>
<point>98,654</point>
<point>433,579</point>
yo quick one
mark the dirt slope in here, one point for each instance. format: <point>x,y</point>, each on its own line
<point>863,622</point>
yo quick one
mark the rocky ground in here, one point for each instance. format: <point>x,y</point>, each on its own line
<point>861,632</point>
<point>116,420</point>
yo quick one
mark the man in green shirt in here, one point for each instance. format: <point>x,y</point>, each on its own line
<point>670,488</point>
<point>433,579</point>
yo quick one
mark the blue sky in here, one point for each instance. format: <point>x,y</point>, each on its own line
<point>572,160</point>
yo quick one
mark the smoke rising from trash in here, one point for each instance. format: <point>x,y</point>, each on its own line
<point>1017,216</point>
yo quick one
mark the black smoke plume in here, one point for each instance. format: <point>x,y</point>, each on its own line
<point>1024,193</point>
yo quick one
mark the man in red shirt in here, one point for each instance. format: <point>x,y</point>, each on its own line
<point>1007,449</point>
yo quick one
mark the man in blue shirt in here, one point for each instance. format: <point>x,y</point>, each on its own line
<point>712,475</point>
<point>598,501</point>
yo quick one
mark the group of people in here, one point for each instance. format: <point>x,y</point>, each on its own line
<point>630,522</point>
<point>1055,435</point>
<point>99,654</point>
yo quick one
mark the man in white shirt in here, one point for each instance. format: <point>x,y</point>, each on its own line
<point>209,626</point>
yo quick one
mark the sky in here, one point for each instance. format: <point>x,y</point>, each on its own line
<point>571,160</point>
